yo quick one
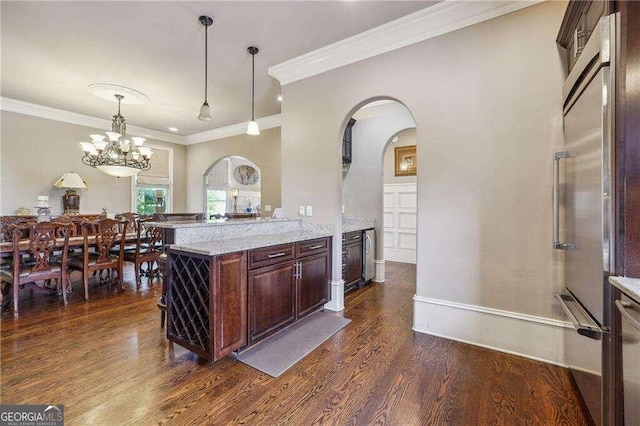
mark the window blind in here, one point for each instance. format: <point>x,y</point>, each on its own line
<point>159,172</point>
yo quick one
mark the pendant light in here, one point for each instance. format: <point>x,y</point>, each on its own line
<point>252,128</point>
<point>205,110</point>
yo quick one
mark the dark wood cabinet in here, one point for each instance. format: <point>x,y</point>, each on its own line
<point>578,23</point>
<point>207,303</point>
<point>312,283</point>
<point>294,284</point>
<point>347,142</point>
<point>272,291</point>
<point>221,303</point>
<point>352,259</point>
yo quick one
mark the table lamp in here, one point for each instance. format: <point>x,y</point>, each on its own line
<point>234,193</point>
<point>71,200</point>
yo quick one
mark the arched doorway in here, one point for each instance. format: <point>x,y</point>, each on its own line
<point>232,184</point>
<point>377,121</point>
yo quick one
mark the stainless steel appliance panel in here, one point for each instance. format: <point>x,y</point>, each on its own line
<point>630,313</point>
<point>369,243</point>
<point>583,196</point>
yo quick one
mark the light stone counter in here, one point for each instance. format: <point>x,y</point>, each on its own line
<point>191,231</point>
<point>351,224</point>
<point>629,286</point>
<point>231,245</point>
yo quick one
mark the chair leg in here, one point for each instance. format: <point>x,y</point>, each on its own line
<point>163,315</point>
<point>63,283</point>
<point>16,292</point>
<point>138,268</point>
<point>85,281</point>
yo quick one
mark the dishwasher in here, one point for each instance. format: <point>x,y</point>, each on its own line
<point>630,313</point>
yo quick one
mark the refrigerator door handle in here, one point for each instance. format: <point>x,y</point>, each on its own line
<point>367,247</point>
<point>622,307</point>
<point>580,319</point>
<point>557,156</point>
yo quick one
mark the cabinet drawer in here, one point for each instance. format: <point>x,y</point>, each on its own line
<point>307,248</point>
<point>270,255</point>
<point>352,237</point>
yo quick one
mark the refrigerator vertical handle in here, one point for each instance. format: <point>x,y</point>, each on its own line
<point>557,156</point>
<point>367,246</point>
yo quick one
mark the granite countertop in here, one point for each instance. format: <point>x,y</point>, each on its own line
<point>629,286</point>
<point>351,224</point>
<point>220,222</point>
<point>231,245</point>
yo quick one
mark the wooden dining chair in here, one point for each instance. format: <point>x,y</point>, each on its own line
<point>107,234</point>
<point>43,238</point>
<point>148,250</point>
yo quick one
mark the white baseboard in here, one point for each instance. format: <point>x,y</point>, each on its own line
<point>380,271</point>
<point>337,297</point>
<point>537,338</point>
<point>400,255</point>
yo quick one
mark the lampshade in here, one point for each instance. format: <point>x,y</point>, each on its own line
<point>205,112</point>
<point>71,180</point>
<point>252,128</point>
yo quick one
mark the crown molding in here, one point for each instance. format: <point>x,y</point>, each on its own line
<point>35,110</point>
<point>232,130</point>
<point>444,17</point>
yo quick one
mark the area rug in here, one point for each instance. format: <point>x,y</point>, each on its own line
<point>280,352</point>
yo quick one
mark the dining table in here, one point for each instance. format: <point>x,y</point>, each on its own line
<point>6,248</point>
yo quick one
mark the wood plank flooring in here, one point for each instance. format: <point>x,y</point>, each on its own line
<point>108,362</point>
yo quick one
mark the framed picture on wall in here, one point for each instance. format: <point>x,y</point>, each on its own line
<point>406,160</point>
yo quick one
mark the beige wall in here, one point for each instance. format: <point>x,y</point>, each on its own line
<point>486,100</point>
<point>405,138</point>
<point>35,152</point>
<point>262,150</point>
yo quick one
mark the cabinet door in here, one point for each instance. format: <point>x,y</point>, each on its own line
<point>229,304</point>
<point>313,283</point>
<point>354,264</point>
<point>271,299</point>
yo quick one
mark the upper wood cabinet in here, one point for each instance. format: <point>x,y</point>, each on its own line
<point>579,21</point>
<point>347,143</point>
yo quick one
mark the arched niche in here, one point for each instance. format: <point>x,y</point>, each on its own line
<point>227,177</point>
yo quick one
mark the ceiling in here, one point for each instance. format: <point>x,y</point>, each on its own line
<point>52,51</point>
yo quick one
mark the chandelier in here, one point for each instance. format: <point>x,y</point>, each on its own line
<point>118,156</point>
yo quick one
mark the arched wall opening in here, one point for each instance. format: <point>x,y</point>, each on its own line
<point>377,121</point>
<point>231,184</point>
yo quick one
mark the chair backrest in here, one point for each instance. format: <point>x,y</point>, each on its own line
<point>43,240</point>
<point>8,223</point>
<point>178,217</point>
<point>107,234</point>
<point>79,220</point>
<point>149,238</point>
<point>129,222</point>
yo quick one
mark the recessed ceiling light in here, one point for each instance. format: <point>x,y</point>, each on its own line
<point>279,98</point>
<point>173,129</point>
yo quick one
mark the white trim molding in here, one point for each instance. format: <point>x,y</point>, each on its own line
<point>35,110</point>
<point>529,336</point>
<point>337,296</point>
<point>232,130</point>
<point>430,22</point>
<point>380,271</point>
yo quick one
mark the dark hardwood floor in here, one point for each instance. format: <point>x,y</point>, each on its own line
<point>108,362</point>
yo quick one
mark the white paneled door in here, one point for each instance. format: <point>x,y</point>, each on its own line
<point>400,222</point>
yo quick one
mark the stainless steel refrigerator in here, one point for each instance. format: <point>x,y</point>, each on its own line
<point>583,221</point>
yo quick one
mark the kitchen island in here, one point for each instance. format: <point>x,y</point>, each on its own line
<point>229,293</point>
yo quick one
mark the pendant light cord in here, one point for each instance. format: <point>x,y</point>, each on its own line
<point>206,61</point>
<point>253,86</point>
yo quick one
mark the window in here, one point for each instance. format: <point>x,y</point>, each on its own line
<point>152,189</point>
<point>216,201</point>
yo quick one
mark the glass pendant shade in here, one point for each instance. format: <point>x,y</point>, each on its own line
<point>118,171</point>
<point>205,112</point>
<point>253,128</point>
